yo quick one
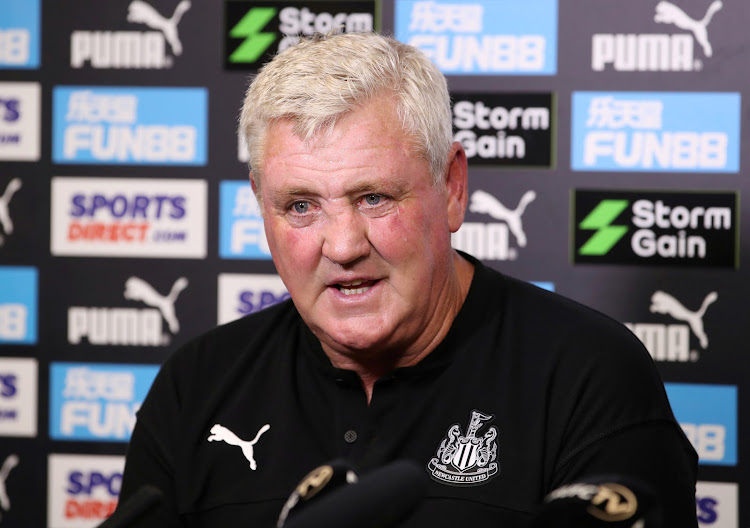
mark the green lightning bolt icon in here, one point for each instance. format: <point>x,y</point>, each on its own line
<point>606,235</point>
<point>256,43</point>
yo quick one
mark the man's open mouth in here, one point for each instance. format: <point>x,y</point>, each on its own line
<point>355,287</point>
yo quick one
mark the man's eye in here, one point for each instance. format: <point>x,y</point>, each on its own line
<point>372,199</point>
<point>301,207</point>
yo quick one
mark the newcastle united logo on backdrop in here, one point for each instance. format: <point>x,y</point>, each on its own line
<point>466,460</point>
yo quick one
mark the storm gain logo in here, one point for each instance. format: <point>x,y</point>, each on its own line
<point>655,228</point>
<point>255,35</point>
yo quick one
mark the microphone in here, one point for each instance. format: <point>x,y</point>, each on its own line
<point>611,501</point>
<point>145,499</point>
<point>378,499</point>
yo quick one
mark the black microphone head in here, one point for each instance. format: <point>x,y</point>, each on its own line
<point>318,483</point>
<point>611,501</point>
<point>379,499</point>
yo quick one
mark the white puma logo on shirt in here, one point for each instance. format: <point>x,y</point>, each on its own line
<point>222,434</point>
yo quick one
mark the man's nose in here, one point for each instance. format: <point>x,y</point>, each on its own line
<point>345,237</point>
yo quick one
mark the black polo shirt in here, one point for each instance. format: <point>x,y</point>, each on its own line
<point>549,390</point>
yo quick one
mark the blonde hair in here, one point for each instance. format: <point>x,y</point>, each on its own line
<point>326,76</point>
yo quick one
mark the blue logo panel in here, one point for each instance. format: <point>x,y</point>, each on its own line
<point>655,132</point>
<point>129,126</point>
<point>708,415</point>
<point>18,304</point>
<point>19,34</point>
<point>489,37</point>
<point>241,231</point>
<point>97,402</point>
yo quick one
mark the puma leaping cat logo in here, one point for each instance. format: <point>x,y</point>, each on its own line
<point>137,289</point>
<point>483,202</point>
<point>219,433</point>
<point>141,12</point>
<point>8,465</point>
<point>5,220</point>
<point>668,13</point>
<point>664,303</point>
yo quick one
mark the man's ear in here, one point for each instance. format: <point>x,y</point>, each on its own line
<point>456,186</point>
<point>255,192</point>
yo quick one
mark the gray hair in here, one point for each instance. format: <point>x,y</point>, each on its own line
<point>326,76</point>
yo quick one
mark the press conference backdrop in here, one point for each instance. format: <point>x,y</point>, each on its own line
<point>605,144</point>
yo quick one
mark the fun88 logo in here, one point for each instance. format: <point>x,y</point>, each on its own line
<point>129,126</point>
<point>19,34</point>
<point>708,415</point>
<point>490,37</point>
<point>96,402</point>
<point>18,305</point>
<point>241,231</point>
<point>655,132</point>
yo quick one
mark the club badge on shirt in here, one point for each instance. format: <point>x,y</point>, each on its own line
<point>466,460</point>
<point>219,433</point>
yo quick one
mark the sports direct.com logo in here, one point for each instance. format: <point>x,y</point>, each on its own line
<point>498,37</point>
<point>19,34</point>
<point>128,217</point>
<point>20,121</point>
<point>655,131</point>
<point>241,294</point>
<point>96,402</point>
<point>708,415</point>
<point>258,31</point>
<point>716,504</point>
<point>18,396</point>
<point>659,51</point>
<point>655,228</point>
<point>83,489</point>
<point>129,126</point>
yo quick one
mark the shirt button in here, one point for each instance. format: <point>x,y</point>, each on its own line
<point>350,436</point>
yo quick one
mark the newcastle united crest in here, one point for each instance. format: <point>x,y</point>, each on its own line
<point>466,460</point>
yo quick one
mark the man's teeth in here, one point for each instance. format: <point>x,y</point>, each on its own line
<point>350,288</point>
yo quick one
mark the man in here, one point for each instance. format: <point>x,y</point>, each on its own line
<point>393,346</point>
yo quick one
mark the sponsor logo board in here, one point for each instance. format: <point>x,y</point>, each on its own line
<point>678,41</point>
<point>129,326</point>
<point>672,341</point>
<point>257,31</point>
<point>241,294</point>
<point>241,231</point>
<point>129,125</point>
<point>505,129</point>
<point>82,489</point>
<point>135,47</point>
<point>680,228</point>
<point>96,402</point>
<point>7,225</point>
<point>18,305</point>
<point>486,37</point>
<point>20,121</point>
<point>499,240</point>
<point>19,34</point>
<point>18,396</point>
<point>716,504</point>
<point>655,131</point>
<point>128,217</point>
<point>708,415</point>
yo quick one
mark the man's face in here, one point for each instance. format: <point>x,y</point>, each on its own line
<point>358,232</point>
